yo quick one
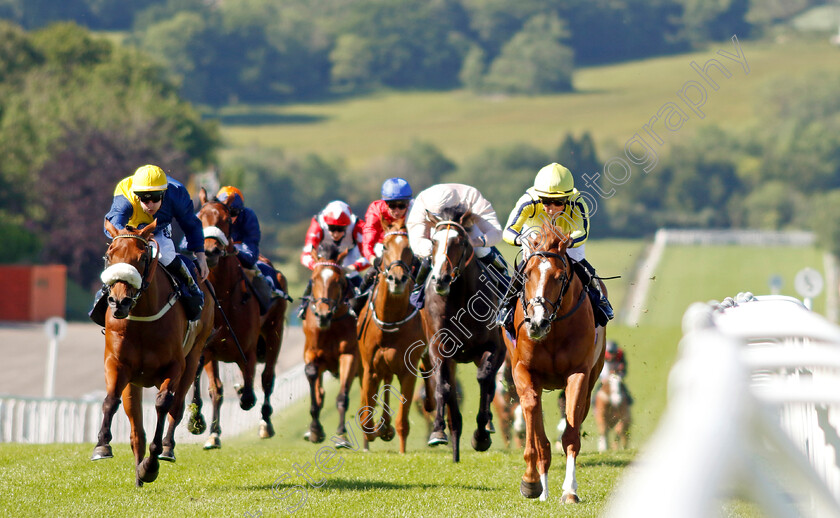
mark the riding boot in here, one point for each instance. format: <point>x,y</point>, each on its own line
<point>262,290</point>
<point>193,298</point>
<point>601,307</point>
<point>418,294</point>
<point>370,277</point>
<point>508,302</point>
<point>304,300</point>
<point>100,306</point>
<point>495,260</point>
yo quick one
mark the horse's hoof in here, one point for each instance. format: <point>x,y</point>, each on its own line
<point>316,434</point>
<point>102,452</point>
<point>342,442</point>
<point>530,489</point>
<point>306,435</point>
<point>145,471</point>
<point>266,429</point>
<point>569,498</point>
<point>387,433</point>
<point>213,442</point>
<point>480,443</point>
<point>197,425</point>
<point>438,438</point>
<point>247,399</point>
<point>168,454</point>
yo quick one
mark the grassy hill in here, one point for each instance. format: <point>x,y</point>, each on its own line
<point>612,102</point>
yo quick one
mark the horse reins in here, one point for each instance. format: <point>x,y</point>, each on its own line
<point>567,281</point>
<point>150,262</point>
<point>462,263</point>
<point>332,304</point>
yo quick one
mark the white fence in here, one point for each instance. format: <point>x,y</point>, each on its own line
<point>38,420</point>
<point>753,414</point>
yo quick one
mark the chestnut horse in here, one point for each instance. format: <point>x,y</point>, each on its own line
<point>555,347</point>
<point>329,329</point>
<point>391,339</point>
<point>459,322</point>
<point>612,412</point>
<point>260,337</point>
<point>148,342</point>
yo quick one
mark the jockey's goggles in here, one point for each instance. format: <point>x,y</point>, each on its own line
<point>397,204</point>
<point>234,211</point>
<point>336,228</point>
<point>554,201</point>
<point>150,196</point>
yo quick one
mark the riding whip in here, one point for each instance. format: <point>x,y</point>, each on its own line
<point>227,322</point>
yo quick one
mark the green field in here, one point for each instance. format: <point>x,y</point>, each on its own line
<point>59,480</point>
<point>612,102</point>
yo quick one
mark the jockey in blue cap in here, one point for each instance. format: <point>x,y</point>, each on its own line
<point>245,234</point>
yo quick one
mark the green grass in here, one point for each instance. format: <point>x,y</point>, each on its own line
<point>612,102</point>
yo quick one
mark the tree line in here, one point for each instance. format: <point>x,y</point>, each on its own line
<point>254,51</point>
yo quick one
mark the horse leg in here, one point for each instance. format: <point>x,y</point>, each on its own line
<point>197,425</point>
<point>346,373</point>
<point>316,397</point>
<point>601,422</point>
<point>577,406</point>
<point>133,401</point>
<point>216,389</point>
<point>537,448</point>
<point>148,470</point>
<point>407,383</point>
<point>370,386</point>
<point>115,382</point>
<point>443,388</point>
<point>247,396</point>
<point>176,412</point>
<point>387,431</point>
<point>272,351</point>
<point>486,377</point>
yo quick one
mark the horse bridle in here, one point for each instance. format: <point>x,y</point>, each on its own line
<point>397,262</point>
<point>332,304</point>
<point>219,235</point>
<point>390,327</point>
<point>464,261</point>
<point>149,264</point>
<point>555,306</point>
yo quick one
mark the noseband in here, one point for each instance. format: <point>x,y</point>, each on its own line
<point>149,264</point>
<point>397,262</point>
<point>555,306</point>
<point>214,232</point>
<point>332,304</point>
<point>464,261</point>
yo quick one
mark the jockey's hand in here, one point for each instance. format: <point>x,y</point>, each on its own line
<point>201,261</point>
<point>477,242</point>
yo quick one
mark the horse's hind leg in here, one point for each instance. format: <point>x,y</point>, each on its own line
<point>133,401</point>
<point>486,376</point>
<point>197,425</point>
<point>316,402</point>
<point>272,351</point>
<point>247,396</point>
<point>216,390</point>
<point>176,412</point>
<point>147,471</point>
<point>347,372</point>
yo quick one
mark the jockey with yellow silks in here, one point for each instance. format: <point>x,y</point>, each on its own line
<point>554,199</point>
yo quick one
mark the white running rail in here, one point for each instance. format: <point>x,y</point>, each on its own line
<point>753,414</point>
<point>39,420</point>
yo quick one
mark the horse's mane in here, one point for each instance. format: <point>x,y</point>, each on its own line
<point>328,250</point>
<point>455,214</point>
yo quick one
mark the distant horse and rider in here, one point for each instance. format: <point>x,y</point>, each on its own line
<point>243,335</point>
<point>148,342</point>
<point>389,330</point>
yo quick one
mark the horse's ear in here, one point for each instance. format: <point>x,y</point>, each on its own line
<point>565,241</point>
<point>111,228</point>
<point>432,218</point>
<point>342,255</point>
<point>149,229</point>
<point>314,254</point>
<point>466,218</point>
<point>202,195</point>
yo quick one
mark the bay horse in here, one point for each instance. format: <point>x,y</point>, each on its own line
<point>458,317</point>
<point>148,342</point>
<point>612,412</point>
<point>260,337</point>
<point>555,347</point>
<point>391,339</point>
<point>330,342</point>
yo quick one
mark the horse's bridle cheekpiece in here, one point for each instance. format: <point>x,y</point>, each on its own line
<point>464,261</point>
